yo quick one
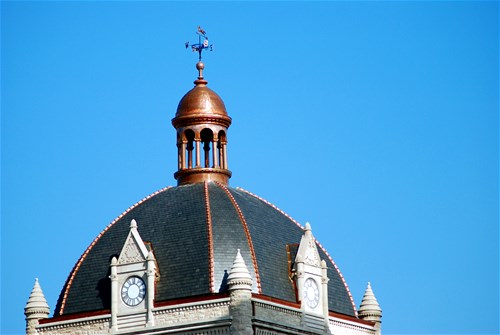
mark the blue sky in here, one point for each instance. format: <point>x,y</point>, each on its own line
<point>377,122</point>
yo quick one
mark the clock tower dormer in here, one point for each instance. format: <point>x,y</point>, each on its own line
<point>132,284</point>
<point>311,282</point>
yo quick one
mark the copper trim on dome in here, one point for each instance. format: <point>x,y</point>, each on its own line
<point>211,261</point>
<point>247,233</point>
<point>198,118</point>
<point>199,175</point>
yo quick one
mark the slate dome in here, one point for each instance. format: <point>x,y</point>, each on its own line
<point>194,231</point>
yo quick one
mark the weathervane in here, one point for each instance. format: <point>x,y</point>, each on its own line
<point>200,46</point>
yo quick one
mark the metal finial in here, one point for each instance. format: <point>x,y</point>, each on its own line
<point>200,66</point>
<point>201,45</point>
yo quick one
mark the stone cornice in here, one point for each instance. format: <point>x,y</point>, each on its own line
<point>355,325</point>
<point>192,306</point>
<point>276,306</point>
<point>282,329</point>
<point>75,322</point>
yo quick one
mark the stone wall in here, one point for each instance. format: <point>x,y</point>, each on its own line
<point>277,314</point>
<point>188,313</point>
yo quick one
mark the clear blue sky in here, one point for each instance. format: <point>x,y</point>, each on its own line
<point>377,122</point>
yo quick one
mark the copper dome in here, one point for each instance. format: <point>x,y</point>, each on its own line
<point>201,102</point>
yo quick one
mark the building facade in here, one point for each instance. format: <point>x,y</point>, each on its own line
<point>203,257</point>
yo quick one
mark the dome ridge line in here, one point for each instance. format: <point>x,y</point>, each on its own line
<point>71,277</point>
<point>247,233</point>
<point>317,243</point>
<point>211,261</point>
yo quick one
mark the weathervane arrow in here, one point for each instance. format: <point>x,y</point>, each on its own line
<point>201,45</point>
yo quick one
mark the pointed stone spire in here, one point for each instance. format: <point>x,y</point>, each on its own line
<point>36,308</point>
<point>370,309</point>
<point>240,293</point>
<point>239,277</point>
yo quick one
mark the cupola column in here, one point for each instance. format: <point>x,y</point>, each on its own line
<point>214,154</point>
<point>182,165</point>
<point>224,154</point>
<point>198,159</point>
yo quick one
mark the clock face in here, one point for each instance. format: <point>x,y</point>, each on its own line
<point>311,293</point>
<point>133,291</point>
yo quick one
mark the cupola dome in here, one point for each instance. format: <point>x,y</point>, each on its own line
<point>201,101</point>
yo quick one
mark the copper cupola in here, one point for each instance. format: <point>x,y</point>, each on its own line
<point>201,122</point>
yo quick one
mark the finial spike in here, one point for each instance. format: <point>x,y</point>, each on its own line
<point>133,224</point>
<point>370,309</point>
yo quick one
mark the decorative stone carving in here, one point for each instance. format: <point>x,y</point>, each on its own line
<point>134,250</point>
<point>308,252</point>
<point>312,283</point>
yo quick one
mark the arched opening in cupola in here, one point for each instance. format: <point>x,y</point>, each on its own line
<point>207,138</point>
<point>189,140</point>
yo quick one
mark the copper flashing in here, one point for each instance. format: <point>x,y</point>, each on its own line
<point>74,316</point>
<point>199,175</point>
<point>211,275</point>
<point>276,300</point>
<point>351,318</point>
<point>247,233</point>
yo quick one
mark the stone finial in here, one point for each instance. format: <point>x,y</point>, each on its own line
<point>133,224</point>
<point>308,231</point>
<point>370,309</point>
<point>36,308</point>
<point>37,304</point>
<point>239,276</point>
